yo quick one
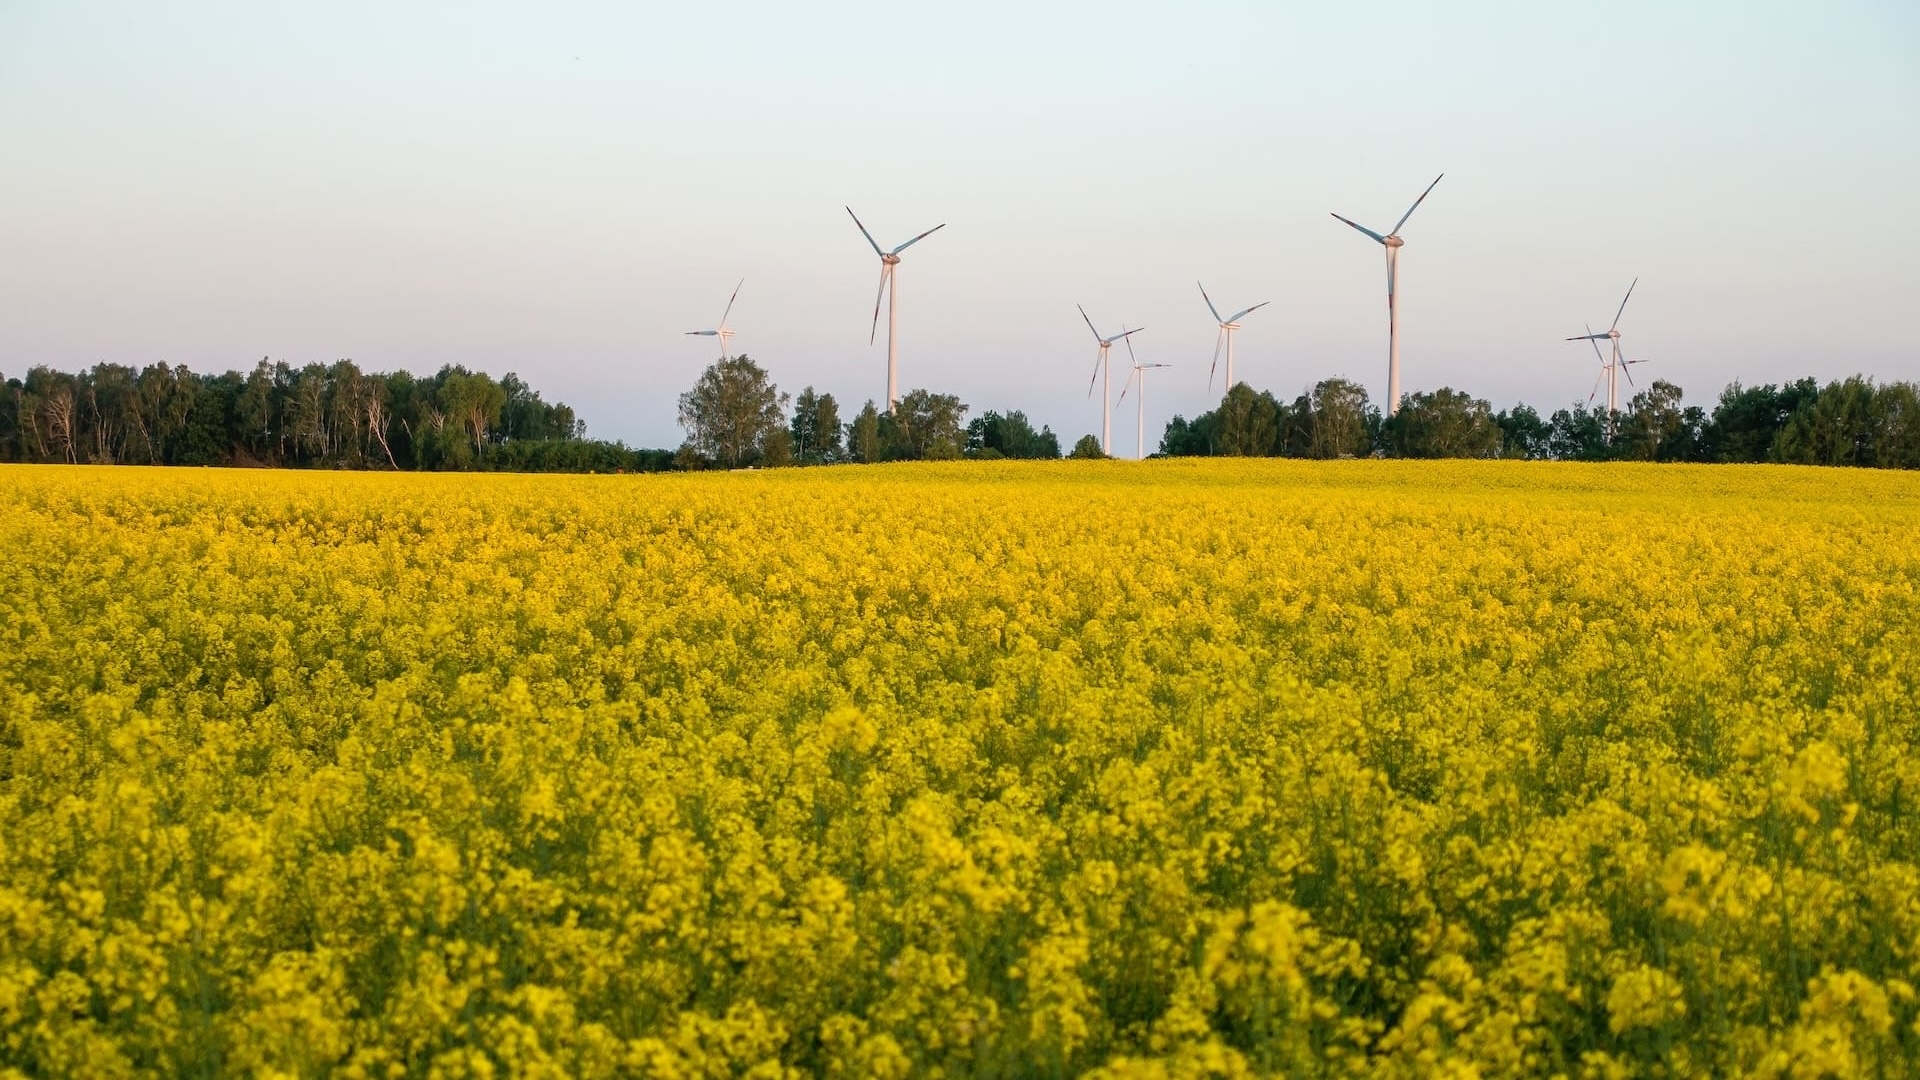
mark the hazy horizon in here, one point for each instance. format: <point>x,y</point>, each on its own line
<point>565,193</point>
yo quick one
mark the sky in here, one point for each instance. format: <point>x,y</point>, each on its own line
<point>563,190</point>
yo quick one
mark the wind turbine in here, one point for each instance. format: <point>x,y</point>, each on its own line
<point>1139,401</point>
<point>1100,368</point>
<point>891,289</point>
<point>723,331</point>
<point>1227,326</point>
<point>1392,243</point>
<point>1611,367</point>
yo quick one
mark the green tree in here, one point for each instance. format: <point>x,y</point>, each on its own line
<point>54,418</point>
<point>1653,426</point>
<point>210,432</point>
<point>863,435</point>
<point>1088,448</point>
<point>471,402</point>
<point>1443,423</point>
<point>1748,419</point>
<point>525,415</point>
<point>1248,423</point>
<point>1339,420</point>
<point>776,452</point>
<point>924,425</point>
<point>1579,434</point>
<point>730,411</point>
<point>1835,427</point>
<point>1189,438</point>
<point>1523,434</point>
<point>1896,426</point>
<point>815,428</point>
<point>258,414</point>
<point>1011,435</point>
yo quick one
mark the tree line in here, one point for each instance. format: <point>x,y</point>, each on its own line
<point>317,415</point>
<point>1850,421</point>
<point>337,416</point>
<point>735,417</point>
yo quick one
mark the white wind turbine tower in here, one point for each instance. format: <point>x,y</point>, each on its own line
<point>723,331</point>
<point>1614,366</point>
<point>1100,368</point>
<point>1227,326</point>
<point>1392,243</point>
<point>890,288</point>
<point>1139,401</point>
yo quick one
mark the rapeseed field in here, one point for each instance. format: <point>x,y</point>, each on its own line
<point>1190,768</point>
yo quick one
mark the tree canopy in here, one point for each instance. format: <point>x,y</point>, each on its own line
<point>336,415</point>
<point>731,413</point>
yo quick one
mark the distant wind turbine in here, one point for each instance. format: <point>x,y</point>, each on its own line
<point>1100,367</point>
<point>1392,243</point>
<point>1227,326</point>
<point>1139,401</point>
<point>889,288</point>
<point>1614,366</point>
<point>723,331</point>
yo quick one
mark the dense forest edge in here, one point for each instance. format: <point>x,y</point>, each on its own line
<point>337,416</point>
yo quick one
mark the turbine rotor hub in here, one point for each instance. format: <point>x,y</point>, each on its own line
<point>890,260</point>
<point>1393,241</point>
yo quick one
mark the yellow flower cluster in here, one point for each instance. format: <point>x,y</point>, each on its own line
<point>1191,768</point>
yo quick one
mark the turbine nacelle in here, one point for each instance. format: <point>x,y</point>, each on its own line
<point>890,259</point>
<point>1394,241</point>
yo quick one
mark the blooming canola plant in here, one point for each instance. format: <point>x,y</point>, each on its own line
<point>1194,768</point>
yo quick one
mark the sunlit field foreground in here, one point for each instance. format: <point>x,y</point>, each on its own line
<point>1184,768</point>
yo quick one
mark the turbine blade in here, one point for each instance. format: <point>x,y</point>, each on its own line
<point>730,300</point>
<point>864,232</point>
<point>1218,337</point>
<point>1376,236</point>
<point>1210,307</point>
<point>919,238</point>
<point>1595,392</point>
<point>1083,314</point>
<point>1595,340</point>
<point>1124,387</point>
<point>1132,332</point>
<point>1589,337</point>
<point>1416,204</point>
<point>1622,365</point>
<point>1096,371</point>
<point>1623,305</point>
<point>886,274</point>
<point>1244,312</point>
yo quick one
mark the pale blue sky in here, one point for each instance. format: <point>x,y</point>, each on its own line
<point>563,189</point>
